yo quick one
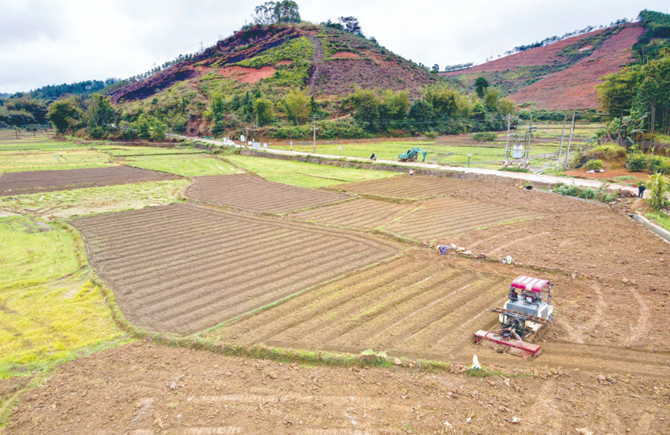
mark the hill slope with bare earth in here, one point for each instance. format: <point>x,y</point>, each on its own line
<point>562,75</point>
<point>326,61</point>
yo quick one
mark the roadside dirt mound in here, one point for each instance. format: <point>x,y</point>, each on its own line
<point>143,389</point>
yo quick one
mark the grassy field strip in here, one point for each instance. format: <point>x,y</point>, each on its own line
<point>13,161</point>
<point>50,311</point>
<point>81,202</point>
<point>128,151</point>
<point>184,165</point>
<point>305,174</point>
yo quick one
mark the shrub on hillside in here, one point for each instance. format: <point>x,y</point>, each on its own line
<point>637,162</point>
<point>595,165</point>
<point>608,152</point>
<point>430,134</point>
<point>658,165</point>
<point>484,137</point>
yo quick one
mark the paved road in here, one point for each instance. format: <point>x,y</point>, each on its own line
<point>522,176</point>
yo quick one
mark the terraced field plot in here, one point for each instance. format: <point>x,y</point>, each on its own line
<point>255,194</point>
<point>445,217</point>
<point>17,183</point>
<point>406,187</point>
<point>362,213</point>
<point>414,306</point>
<point>185,268</point>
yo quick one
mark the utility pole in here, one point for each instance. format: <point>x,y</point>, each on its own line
<point>572,129</point>
<point>509,124</point>
<point>314,128</point>
<point>560,149</point>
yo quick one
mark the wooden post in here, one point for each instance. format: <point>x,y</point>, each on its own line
<point>560,149</point>
<point>572,129</point>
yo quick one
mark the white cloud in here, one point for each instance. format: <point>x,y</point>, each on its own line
<point>63,41</point>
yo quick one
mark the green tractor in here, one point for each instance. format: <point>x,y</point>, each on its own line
<point>412,155</point>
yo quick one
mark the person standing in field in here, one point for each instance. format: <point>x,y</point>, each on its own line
<point>641,190</point>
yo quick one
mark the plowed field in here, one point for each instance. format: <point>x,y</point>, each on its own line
<point>255,194</point>
<point>405,187</point>
<point>17,183</point>
<point>446,217</point>
<point>184,268</point>
<point>362,213</point>
<point>142,390</point>
<point>426,306</point>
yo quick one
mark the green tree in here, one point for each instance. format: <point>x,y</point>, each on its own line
<point>394,106</point>
<point>143,127</point>
<point>217,106</point>
<point>297,105</point>
<point>506,106</point>
<point>100,111</point>
<point>444,102</point>
<point>286,11</point>
<point>421,111</point>
<point>264,110</point>
<point>366,108</point>
<point>491,97</point>
<point>157,130</point>
<point>616,95</point>
<point>64,114</point>
<point>351,25</point>
<point>480,85</point>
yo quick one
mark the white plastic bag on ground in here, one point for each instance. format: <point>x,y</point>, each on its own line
<point>475,363</point>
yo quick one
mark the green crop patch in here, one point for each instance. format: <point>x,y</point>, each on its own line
<point>81,202</point>
<point>187,165</point>
<point>33,251</point>
<point>23,161</point>
<point>305,174</point>
<point>49,310</point>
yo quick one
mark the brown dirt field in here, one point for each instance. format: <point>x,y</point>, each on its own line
<point>427,306</point>
<point>248,75</point>
<point>362,214</point>
<point>19,183</point>
<point>576,86</point>
<point>405,187</point>
<point>185,268</point>
<point>445,217</point>
<point>345,55</point>
<point>255,194</point>
<point>185,392</point>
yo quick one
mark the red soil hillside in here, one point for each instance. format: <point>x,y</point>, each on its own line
<point>563,75</point>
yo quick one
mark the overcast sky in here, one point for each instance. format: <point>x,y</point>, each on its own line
<point>46,42</point>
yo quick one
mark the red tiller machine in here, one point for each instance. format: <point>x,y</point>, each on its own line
<point>525,317</point>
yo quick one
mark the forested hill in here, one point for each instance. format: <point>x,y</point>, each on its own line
<point>563,74</point>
